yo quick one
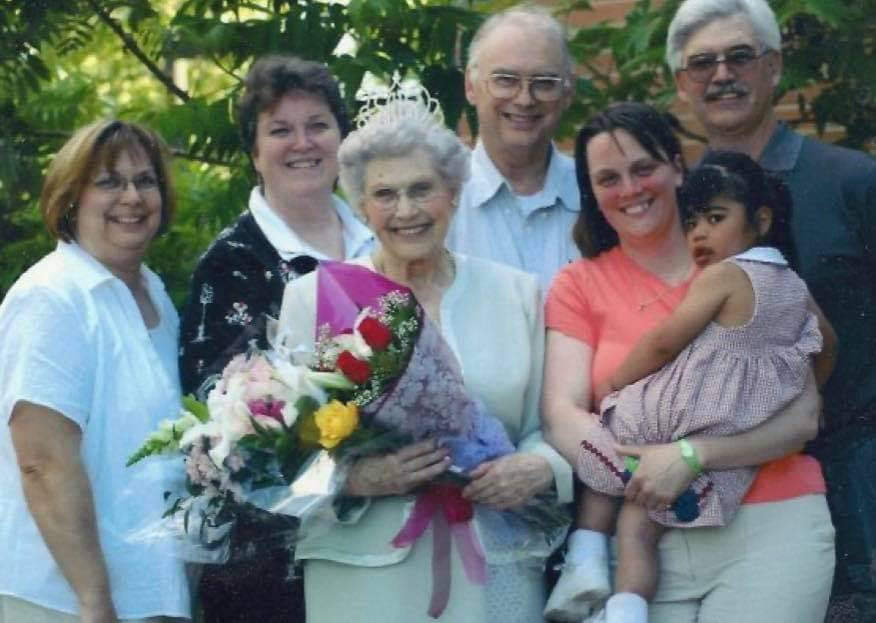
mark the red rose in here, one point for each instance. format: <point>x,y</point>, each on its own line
<point>375,333</point>
<point>354,369</point>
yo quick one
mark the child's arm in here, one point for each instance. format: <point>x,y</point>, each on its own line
<point>824,362</point>
<point>707,295</point>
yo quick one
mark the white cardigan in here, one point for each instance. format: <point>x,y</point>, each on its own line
<point>492,318</point>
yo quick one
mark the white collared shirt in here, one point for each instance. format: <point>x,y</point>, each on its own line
<point>72,339</point>
<point>532,233</point>
<point>767,255</point>
<point>358,239</point>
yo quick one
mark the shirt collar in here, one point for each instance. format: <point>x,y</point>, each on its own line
<point>782,150</point>
<point>486,181</point>
<point>768,255</point>
<point>90,273</point>
<point>357,237</point>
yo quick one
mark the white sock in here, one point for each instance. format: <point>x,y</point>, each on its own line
<point>586,545</point>
<point>626,608</point>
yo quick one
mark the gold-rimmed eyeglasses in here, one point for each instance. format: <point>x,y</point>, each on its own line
<point>505,86</point>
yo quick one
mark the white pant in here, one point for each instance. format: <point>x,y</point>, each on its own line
<point>772,564</point>
<point>14,610</point>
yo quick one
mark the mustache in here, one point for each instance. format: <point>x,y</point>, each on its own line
<point>732,88</point>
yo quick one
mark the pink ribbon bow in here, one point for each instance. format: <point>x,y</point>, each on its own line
<point>444,507</point>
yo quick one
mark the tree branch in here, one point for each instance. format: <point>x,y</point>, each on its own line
<point>60,136</point>
<point>132,46</point>
<point>185,155</point>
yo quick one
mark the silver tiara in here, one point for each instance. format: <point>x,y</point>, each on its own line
<point>406,99</point>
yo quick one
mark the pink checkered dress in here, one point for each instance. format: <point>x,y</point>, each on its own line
<point>728,380</point>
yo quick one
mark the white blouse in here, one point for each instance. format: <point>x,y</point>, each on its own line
<point>72,339</point>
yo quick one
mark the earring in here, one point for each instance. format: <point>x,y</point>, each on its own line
<point>69,218</point>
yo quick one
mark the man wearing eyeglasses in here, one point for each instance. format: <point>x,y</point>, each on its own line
<point>727,60</point>
<point>522,198</point>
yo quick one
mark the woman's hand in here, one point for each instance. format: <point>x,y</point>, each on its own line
<point>398,472</point>
<point>661,477</point>
<point>507,483</point>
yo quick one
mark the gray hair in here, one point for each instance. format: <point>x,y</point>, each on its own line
<point>694,14</point>
<point>396,134</point>
<point>525,16</point>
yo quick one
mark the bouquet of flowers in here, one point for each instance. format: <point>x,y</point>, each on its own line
<point>272,429</point>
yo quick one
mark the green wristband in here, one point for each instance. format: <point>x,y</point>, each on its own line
<point>689,454</point>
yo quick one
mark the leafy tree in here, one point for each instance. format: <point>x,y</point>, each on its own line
<point>177,65</point>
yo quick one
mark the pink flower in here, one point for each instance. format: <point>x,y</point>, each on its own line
<point>262,408</point>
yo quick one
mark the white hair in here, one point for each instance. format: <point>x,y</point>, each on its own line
<point>692,15</point>
<point>394,135</point>
<point>527,16</point>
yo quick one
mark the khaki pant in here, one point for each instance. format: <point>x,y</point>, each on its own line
<point>772,564</point>
<point>14,610</point>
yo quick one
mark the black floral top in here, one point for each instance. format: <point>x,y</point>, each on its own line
<point>237,283</point>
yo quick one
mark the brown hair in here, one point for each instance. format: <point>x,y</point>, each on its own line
<point>273,76</point>
<point>78,161</point>
<point>654,132</point>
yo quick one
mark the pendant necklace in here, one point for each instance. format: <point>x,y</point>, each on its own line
<point>640,305</point>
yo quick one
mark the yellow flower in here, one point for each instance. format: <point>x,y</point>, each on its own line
<point>336,421</point>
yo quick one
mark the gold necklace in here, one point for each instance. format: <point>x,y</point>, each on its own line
<point>641,306</point>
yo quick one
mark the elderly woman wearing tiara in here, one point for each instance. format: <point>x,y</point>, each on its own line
<point>402,169</point>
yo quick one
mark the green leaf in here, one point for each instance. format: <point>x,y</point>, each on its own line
<point>196,408</point>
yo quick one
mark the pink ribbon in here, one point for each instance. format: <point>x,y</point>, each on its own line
<point>449,513</point>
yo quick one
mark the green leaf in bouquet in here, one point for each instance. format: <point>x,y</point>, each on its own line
<point>285,446</point>
<point>150,447</point>
<point>260,430</point>
<point>173,508</point>
<point>306,405</point>
<point>196,408</point>
<point>307,430</point>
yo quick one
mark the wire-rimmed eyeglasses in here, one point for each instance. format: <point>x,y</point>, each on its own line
<point>110,182</point>
<point>505,86</point>
<point>419,193</point>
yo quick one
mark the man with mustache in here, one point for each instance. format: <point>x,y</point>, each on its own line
<point>727,60</point>
<point>522,199</point>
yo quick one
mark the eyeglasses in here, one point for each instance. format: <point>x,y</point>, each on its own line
<point>701,67</point>
<point>541,88</point>
<point>115,183</point>
<point>419,193</point>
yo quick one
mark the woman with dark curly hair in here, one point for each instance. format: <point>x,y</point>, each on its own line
<point>292,119</point>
